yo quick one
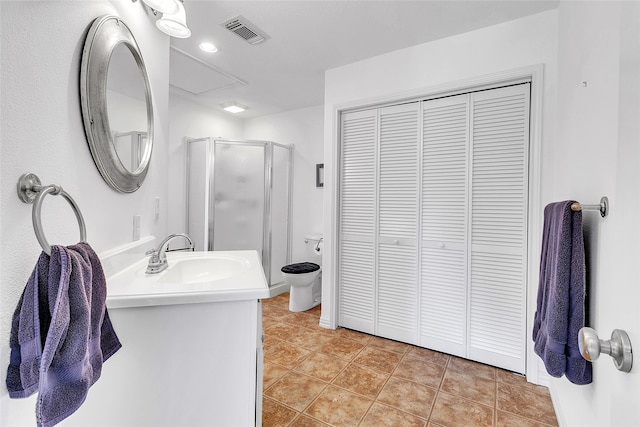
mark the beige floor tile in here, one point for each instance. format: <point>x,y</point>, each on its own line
<point>389,345</point>
<point>408,396</point>
<point>361,380</point>
<point>511,378</point>
<point>343,348</point>
<point>385,416</point>
<point>283,331</point>
<point>309,339</point>
<point>270,341</point>
<point>302,359</point>
<point>478,389</point>
<point>269,321</point>
<point>276,415</point>
<point>472,368</point>
<point>295,390</point>
<point>378,359</point>
<point>353,335</point>
<point>339,407</point>
<point>421,372</point>
<point>306,421</point>
<point>505,419</point>
<point>529,403</point>
<point>271,373</point>
<point>321,366</point>
<point>316,311</point>
<point>453,411</point>
<point>284,354</point>
<point>303,319</point>
<point>426,355</point>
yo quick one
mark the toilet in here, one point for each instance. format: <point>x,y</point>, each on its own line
<point>305,278</point>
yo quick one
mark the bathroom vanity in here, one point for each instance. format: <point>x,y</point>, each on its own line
<point>191,344</point>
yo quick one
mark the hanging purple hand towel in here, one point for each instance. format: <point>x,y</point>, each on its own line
<point>61,333</point>
<point>561,294</point>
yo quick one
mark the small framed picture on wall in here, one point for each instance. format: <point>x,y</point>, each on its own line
<point>320,175</point>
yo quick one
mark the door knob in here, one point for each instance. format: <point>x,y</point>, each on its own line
<point>618,347</point>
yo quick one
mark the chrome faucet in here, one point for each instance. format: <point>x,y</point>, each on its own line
<point>158,259</point>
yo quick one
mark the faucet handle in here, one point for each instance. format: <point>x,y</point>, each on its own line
<point>151,252</point>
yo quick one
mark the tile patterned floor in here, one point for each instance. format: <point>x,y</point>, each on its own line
<point>315,377</point>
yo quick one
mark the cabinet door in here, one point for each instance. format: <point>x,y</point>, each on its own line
<point>499,195</point>
<point>357,220</point>
<point>443,265</point>
<point>397,287</point>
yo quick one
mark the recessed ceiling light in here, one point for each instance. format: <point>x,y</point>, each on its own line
<point>208,47</point>
<point>234,107</point>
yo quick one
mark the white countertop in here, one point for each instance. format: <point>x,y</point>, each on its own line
<point>192,277</point>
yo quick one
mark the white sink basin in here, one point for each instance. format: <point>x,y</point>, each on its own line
<point>191,277</point>
<point>199,267</point>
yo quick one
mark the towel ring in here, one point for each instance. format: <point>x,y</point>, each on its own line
<point>30,190</point>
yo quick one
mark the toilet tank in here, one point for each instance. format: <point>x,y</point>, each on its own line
<point>314,248</point>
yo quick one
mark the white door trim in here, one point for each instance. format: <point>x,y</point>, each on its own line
<point>534,74</point>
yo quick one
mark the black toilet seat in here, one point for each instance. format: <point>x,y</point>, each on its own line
<point>300,268</point>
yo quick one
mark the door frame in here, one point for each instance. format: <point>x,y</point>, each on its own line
<point>534,74</point>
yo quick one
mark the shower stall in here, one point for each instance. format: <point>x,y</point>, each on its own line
<point>239,197</point>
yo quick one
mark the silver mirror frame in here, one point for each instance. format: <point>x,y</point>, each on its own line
<point>105,34</point>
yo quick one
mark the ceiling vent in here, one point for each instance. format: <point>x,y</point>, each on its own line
<point>245,29</point>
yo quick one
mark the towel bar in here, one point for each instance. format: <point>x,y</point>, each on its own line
<point>603,207</point>
<point>30,190</point>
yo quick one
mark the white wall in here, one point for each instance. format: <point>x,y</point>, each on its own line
<point>191,120</point>
<point>303,128</point>
<point>42,133</point>
<point>598,153</point>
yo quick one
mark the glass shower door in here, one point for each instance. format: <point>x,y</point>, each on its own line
<point>238,196</point>
<point>280,190</point>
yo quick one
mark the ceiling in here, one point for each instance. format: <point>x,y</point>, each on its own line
<point>306,38</point>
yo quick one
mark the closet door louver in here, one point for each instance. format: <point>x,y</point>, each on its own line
<point>357,220</point>
<point>445,138</point>
<point>397,305</point>
<point>499,194</point>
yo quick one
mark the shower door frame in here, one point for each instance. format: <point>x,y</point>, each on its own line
<point>268,187</point>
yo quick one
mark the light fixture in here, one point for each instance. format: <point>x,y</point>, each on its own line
<point>163,6</point>
<point>208,47</point>
<point>234,107</point>
<point>175,24</point>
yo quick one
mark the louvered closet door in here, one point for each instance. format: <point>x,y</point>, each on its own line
<point>443,264</point>
<point>357,220</point>
<point>499,194</point>
<point>397,287</point>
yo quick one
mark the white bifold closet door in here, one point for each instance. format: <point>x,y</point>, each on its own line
<point>474,225</point>
<point>433,224</point>
<point>498,230</point>
<point>379,220</point>
<point>397,283</point>
<point>358,207</point>
<point>443,263</point>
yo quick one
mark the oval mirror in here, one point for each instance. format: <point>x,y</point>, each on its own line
<point>117,108</point>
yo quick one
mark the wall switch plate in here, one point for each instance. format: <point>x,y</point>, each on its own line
<point>136,227</point>
<point>156,208</point>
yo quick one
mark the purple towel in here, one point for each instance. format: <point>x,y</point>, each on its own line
<point>561,294</point>
<point>61,332</point>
